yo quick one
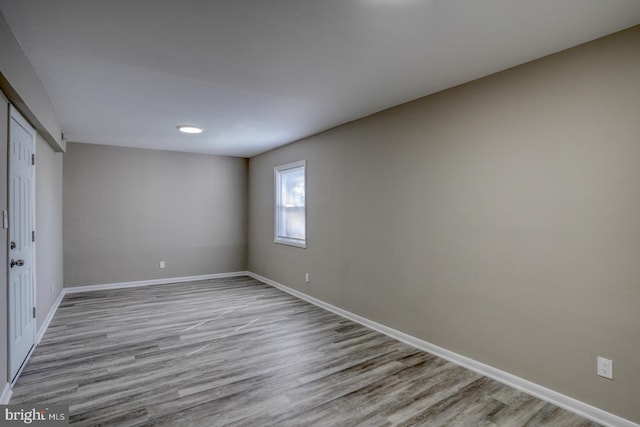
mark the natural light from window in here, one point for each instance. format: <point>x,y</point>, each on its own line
<point>290,204</point>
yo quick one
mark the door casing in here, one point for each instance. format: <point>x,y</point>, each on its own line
<point>21,302</point>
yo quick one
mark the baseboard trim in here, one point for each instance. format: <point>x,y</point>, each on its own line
<point>121,285</point>
<point>536,390</point>
<point>6,394</point>
<point>5,397</point>
<point>47,320</point>
<point>38,337</point>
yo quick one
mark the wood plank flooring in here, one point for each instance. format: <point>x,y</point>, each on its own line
<point>236,352</point>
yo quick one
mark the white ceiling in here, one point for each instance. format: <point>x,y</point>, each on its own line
<point>257,74</point>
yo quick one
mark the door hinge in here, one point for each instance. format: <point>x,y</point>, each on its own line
<point>33,159</point>
<point>34,312</point>
<point>33,236</point>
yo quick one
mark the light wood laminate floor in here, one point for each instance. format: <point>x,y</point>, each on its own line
<point>237,352</point>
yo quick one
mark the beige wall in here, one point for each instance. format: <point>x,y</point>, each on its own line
<point>498,219</point>
<point>49,261</point>
<point>127,209</point>
<point>4,243</point>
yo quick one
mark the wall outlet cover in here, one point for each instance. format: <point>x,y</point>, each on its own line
<point>605,367</point>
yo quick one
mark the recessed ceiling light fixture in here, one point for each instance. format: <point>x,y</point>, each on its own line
<point>189,129</point>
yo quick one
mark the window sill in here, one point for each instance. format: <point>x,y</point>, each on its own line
<point>291,242</point>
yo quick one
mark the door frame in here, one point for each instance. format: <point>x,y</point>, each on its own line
<point>14,114</point>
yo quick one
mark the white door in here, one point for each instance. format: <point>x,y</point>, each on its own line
<point>22,325</point>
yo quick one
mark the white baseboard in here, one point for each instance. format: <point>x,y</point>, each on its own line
<point>6,394</point>
<point>47,320</point>
<point>39,335</point>
<point>121,285</point>
<point>548,395</point>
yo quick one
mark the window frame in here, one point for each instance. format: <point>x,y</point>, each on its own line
<point>277,173</point>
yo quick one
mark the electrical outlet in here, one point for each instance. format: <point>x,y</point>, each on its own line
<point>605,367</point>
<point>161,264</point>
<point>306,277</point>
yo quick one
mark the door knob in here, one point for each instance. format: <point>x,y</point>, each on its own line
<point>19,263</point>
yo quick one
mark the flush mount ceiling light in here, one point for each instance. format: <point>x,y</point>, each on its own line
<point>189,129</point>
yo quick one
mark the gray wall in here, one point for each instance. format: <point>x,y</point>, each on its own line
<point>49,275</point>
<point>4,241</point>
<point>127,209</point>
<point>498,219</point>
<point>23,88</point>
<point>48,228</point>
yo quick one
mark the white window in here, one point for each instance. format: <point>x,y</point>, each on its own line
<point>290,226</point>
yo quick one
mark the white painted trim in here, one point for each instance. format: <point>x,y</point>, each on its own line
<point>121,285</point>
<point>39,336</point>
<point>7,391</point>
<point>277,176</point>
<point>548,395</point>
<point>6,394</point>
<point>47,320</point>
<point>16,116</point>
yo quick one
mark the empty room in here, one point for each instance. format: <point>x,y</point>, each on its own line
<point>320,213</point>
